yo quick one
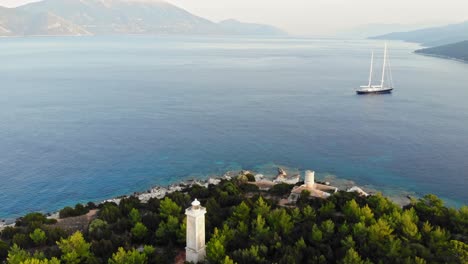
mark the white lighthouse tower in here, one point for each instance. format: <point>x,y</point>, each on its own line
<point>195,251</point>
<point>310,179</point>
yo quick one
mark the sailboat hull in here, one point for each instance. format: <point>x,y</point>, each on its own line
<point>375,91</point>
<point>383,88</point>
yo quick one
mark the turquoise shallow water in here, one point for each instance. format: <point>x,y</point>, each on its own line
<point>90,118</point>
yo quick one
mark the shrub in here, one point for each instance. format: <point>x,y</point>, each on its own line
<point>38,237</point>
<point>21,240</point>
<point>8,232</point>
<point>281,189</point>
<point>3,250</point>
<point>71,212</point>
<point>250,177</point>
<point>139,232</point>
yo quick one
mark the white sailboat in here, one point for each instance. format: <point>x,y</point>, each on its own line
<point>386,84</point>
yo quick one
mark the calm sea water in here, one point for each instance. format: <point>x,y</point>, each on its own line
<point>90,118</point>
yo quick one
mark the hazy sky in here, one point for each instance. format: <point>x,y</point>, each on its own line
<point>313,17</point>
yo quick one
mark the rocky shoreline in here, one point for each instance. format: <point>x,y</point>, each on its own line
<point>160,192</point>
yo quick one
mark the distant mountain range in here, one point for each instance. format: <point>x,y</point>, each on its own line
<point>370,30</point>
<point>457,51</point>
<point>432,36</point>
<point>236,27</point>
<point>114,17</point>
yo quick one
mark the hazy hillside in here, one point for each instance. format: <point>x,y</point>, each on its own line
<point>454,51</point>
<point>233,26</point>
<point>433,36</point>
<point>14,22</point>
<point>123,16</point>
<point>111,17</point>
<point>370,30</point>
<point>10,21</point>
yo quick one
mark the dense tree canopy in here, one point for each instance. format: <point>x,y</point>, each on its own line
<point>245,225</point>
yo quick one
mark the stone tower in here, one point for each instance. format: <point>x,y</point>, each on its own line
<point>309,179</point>
<point>195,251</point>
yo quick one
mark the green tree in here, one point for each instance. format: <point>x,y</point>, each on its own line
<point>366,215</point>
<point>103,248</point>
<point>3,250</point>
<point>41,261</point>
<point>408,225</point>
<point>380,231</point>
<point>418,260</point>
<point>327,210</point>
<point>352,257</point>
<point>438,239</point>
<point>148,250</point>
<point>431,208</point>
<point>135,216</point>
<point>128,203</point>
<point>460,220</point>
<point>317,235</point>
<point>74,249</point>
<point>215,248</point>
<point>38,236</point>
<point>110,213</point>
<point>21,240</point>
<point>128,257</point>
<point>280,221</point>
<point>70,212</point>
<point>242,230</point>
<point>66,212</point>
<point>381,205</point>
<point>33,219</point>
<point>228,260</point>
<point>97,229</point>
<point>459,251</point>
<point>254,254</point>
<point>304,198</point>
<point>348,242</point>
<point>351,211</point>
<point>54,234</point>
<point>261,207</point>
<point>309,213</point>
<point>168,230</point>
<point>139,231</point>
<point>8,232</point>
<point>259,230</point>
<point>360,233</point>
<point>16,255</point>
<point>281,189</point>
<point>354,213</point>
<point>169,208</point>
<point>240,213</point>
<point>328,228</point>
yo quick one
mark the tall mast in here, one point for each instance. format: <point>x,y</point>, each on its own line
<point>384,65</point>
<point>371,68</point>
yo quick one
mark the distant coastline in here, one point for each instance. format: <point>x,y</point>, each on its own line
<point>456,51</point>
<point>440,56</point>
<point>400,197</point>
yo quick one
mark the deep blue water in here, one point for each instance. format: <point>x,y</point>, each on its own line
<point>90,118</point>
